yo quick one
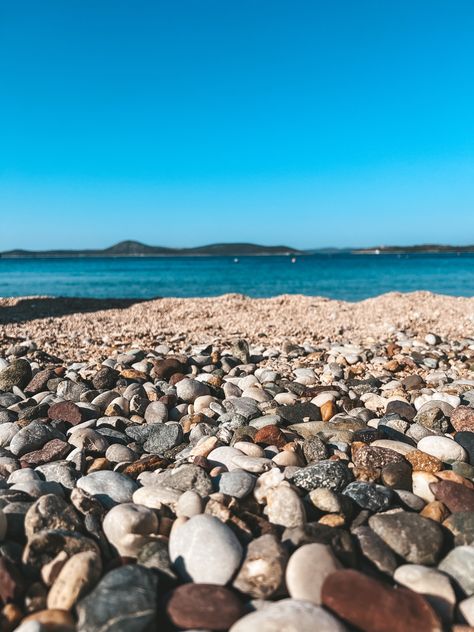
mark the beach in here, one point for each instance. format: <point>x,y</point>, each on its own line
<point>237,464</point>
<point>82,329</point>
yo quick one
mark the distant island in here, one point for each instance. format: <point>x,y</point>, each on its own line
<point>137,249</point>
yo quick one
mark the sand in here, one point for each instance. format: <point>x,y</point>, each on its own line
<point>83,328</point>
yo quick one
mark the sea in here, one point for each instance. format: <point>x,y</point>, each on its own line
<point>338,276</point>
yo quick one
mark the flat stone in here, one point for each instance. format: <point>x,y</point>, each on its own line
<point>54,450</point>
<point>352,596</point>
<point>224,456</point>
<point>433,585</point>
<point>110,488</point>
<point>204,550</point>
<point>290,615</point>
<point>375,550</point>
<point>76,578</point>
<point>125,600</point>
<point>201,606</point>
<point>307,569</point>
<point>459,565</point>
<point>263,569</point>
<point>188,476</point>
<point>333,475</point>
<point>443,448</point>
<point>417,540</point>
<point>455,497</point>
<point>314,450</point>
<point>295,413</point>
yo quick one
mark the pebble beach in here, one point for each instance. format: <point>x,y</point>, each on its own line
<point>253,465</point>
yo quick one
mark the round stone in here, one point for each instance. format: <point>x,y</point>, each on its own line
<point>128,527</point>
<point>443,448</point>
<point>189,504</point>
<point>237,483</point>
<point>203,606</point>
<point>307,569</point>
<point>289,614</point>
<point>205,551</point>
<point>189,390</point>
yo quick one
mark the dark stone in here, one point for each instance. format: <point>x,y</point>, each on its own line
<point>401,409</point>
<point>18,373</point>
<point>375,550</point>
<point>163,437</point>
<point>164,369</point>
<point>397,475</point>
<point>148,463</point>
<point>105,378</point>
<point>333,475</point>
<point>466,440</point>
<point>368,435</point>
<point>369,496</point>
<point>461,525</point>
<point>155,555</point>
<point>203,606</point>
<point>125,600</point>
<point>296,413</point>
<point>371,606</point>
<point>44,546</point>
<point>456,497</point>
<point>12,583</point>
<point>416,539</point>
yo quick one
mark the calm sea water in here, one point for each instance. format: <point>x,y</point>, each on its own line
<point>348,277</point>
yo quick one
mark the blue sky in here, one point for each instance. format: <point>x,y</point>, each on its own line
<point>186,122</point>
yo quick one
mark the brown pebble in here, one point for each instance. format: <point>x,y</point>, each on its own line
<point>435,510</point>
<point>462,419</point>
<point>449,475</point>
<point>270,435</point>
<point>372,606</point>
<point>456,497</point>
<point>333,520</point>
<point>203,606</point>
<point>101,463</point>
<point>422,462</point>
<point>10,617</point>
<point>53,620</point>
<point>65,411</point>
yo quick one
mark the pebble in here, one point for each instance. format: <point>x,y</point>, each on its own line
<point>205,551</point>
<point>435,587</point>
<point>443,448</point>
<point>203,606</point>
<point>110,488</point>
<point>417,540</point>
<point>307,569</point>
<point>333,475</point>
<point>128,527</point>
<point>123,598</point>
<point>237,483</point>
<point>351,595</point>
<point>459,566</point>
<point>292,615</point>
<point>76,578</point>
<point>284,507</point>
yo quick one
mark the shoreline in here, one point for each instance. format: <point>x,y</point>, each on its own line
<point>67,325</point>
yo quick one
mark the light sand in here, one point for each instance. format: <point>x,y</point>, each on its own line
<point>78,329</point>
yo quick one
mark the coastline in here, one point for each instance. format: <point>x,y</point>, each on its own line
<point>91,327</point>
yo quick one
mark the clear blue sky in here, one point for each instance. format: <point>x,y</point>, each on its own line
<point>184,122</point>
